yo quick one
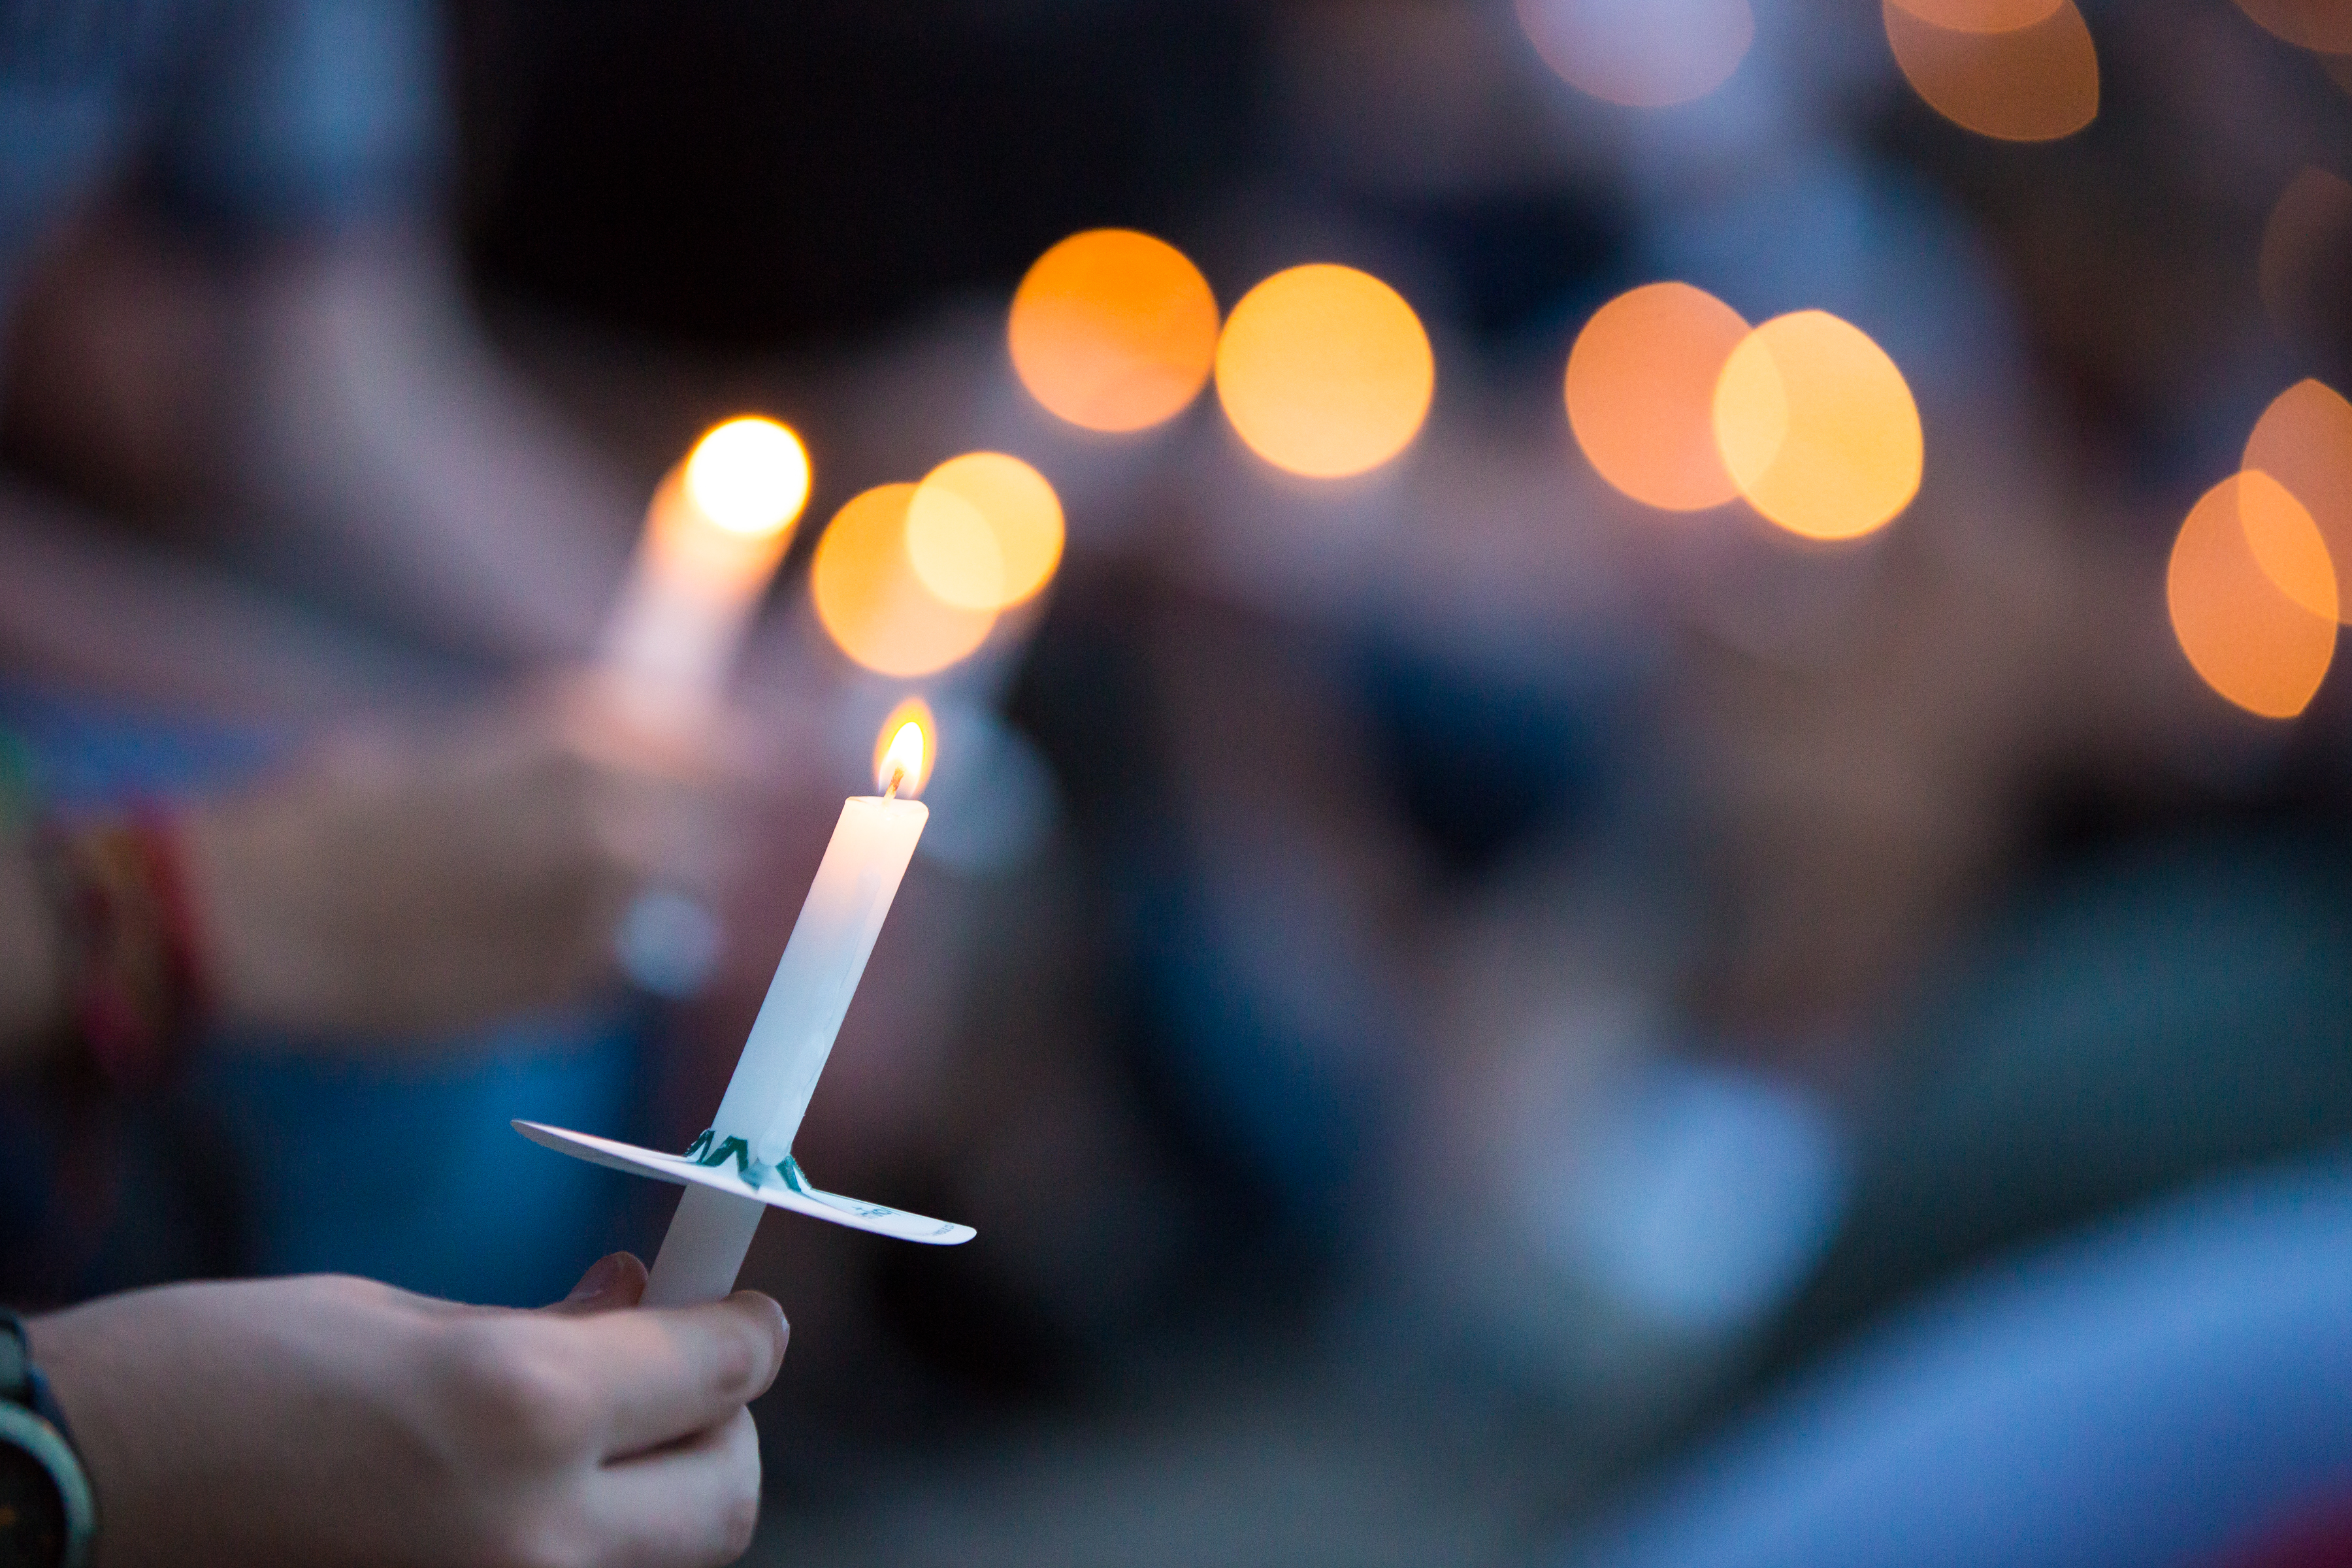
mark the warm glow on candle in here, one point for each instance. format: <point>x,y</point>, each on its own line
<point>749,476</point>
<point>1817,427</point>
<point>1641,393</point>
<point>1325,371</point>
<point>1113,330</point>
<point>903,750</point>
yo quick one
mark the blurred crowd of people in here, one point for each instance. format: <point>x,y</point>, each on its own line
<point>1861,1013</point>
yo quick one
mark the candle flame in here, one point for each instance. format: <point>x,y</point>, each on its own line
<point>750,476</point>
<point>903,751</point>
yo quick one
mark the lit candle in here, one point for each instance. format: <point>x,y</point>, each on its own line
<point>753,1133</point>
<point>714,535</point>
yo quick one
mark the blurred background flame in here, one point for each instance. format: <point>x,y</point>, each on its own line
<point>1817,427</point>
<point>984,530</point>
<point>1325,371</point>
<point>1113,330</point>
<point>1641,393</point>
<point>869,598</point>
<point>749,475</point>
<point>2252,595</point>
<point>2031,80</point>
<point>2304,441</point>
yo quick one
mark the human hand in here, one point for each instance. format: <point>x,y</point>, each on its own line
<point>325,1420</point>
<point>398,885</point>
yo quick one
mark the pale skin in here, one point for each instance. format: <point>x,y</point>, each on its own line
<point>326,1420</point>
<point>391,886</point>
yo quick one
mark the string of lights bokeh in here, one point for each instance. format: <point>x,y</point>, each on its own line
<point>1326,371</point>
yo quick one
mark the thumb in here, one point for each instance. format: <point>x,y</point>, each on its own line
<point>612,1282</point>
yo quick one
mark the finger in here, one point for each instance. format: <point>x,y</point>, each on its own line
<point>668,1373</point>
<point>615,1281</point>
<point>691,1505</point>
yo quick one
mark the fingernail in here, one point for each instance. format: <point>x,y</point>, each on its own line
<point>602,1276</point>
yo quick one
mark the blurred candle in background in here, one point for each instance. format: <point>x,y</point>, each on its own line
<point>714,535</point>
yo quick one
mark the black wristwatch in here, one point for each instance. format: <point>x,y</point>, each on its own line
<point>45,1515</point>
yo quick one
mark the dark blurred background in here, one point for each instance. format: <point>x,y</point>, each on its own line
<point>1454,988</point>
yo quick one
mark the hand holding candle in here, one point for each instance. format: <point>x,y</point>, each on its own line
<point>743,1162</point>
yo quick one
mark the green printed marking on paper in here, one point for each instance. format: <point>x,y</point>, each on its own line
<point>709,1148</point>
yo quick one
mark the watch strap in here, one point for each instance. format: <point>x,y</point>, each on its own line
<point>21,1382</point>
<point>15,1360</point>
<point>31,1420</point>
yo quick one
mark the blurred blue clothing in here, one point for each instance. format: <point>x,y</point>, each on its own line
<point>399,1165</point>
<point>2150,1394</point>
<point>243,117</point>
<point>2143,1020</point>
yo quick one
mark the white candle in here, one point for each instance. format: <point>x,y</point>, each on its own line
<point>714,536</point>
<point>794,1034</point>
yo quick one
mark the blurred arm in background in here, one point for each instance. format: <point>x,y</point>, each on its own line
<point>387,886</point>
<point>322,413</point>
<point>230,315</point>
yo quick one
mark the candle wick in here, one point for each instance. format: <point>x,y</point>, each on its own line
<point>898,777</point>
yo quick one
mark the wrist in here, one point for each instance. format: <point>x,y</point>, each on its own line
<point>131,965</point>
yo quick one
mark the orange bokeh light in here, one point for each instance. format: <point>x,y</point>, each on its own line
<point>871,603</point>
<point>1644,55</point>
<point>1980,15</point>
<point>1325,371</point>
<point>2034,83</point>
<point>2304,441</point>
<point>905,748</point>
<point>2323,25</point>
<point>984,530</point>
<point>1641,393</point>
<point>1817,427</point>
<point>2250,640</point>
<point>1113,330</point>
